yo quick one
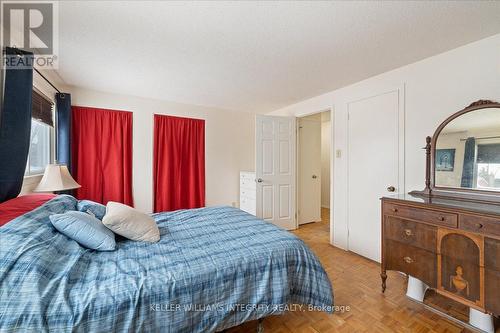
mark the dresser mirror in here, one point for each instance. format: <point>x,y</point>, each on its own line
<point>463,156</point>
<point>467,153</point>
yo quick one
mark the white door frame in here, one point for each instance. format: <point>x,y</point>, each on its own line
<point>400,89</point>
<point>332,161</point>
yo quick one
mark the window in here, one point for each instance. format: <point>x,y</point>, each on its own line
<point>39,155</point>
<point>488,166</point>
<point>41,138</point>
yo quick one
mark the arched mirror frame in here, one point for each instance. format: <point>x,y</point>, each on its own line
<point>451,192</point>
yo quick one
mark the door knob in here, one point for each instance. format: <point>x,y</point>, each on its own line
<point>259,180</point>
<point>391,189</point>
<point>314,176</point>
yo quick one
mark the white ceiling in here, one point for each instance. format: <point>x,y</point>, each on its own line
<point>255,56</point>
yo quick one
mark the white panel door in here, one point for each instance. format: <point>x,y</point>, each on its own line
<point>373,168</point>
<point>275,170</point>
<point>309,187</point>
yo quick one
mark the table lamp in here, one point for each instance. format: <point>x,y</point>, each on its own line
<point>56,178</point>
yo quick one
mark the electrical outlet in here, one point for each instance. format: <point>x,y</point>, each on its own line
<point>338,153</point>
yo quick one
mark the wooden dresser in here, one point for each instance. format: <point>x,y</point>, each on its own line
<point>452,246</point>
<point>248,192</point>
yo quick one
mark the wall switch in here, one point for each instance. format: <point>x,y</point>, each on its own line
<point>338,153</point>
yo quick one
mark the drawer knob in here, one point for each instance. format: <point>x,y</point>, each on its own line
<point>395,210</point>
<point>408,260</point>
<point>441,218</point>
<point>408,232</point>
<point>479,225</point>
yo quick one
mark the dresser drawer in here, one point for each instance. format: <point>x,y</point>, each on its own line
<point>480,224</point>
<point>411,260</point>
<point>249,193</point>
<point>412,233</point>
<point>247,182</point>
<point>429,216</point>
<point>248,205</point>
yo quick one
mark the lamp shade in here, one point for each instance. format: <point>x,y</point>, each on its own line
<point>56,178</point>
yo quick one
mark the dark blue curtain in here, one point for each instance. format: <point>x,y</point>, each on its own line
<point>15,121</point>
<point>63,119</point>
<point>469,161</point>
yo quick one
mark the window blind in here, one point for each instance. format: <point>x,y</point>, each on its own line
<point>41,109</point>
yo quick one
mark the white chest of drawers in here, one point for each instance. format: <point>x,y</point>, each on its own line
<point>248,192</point>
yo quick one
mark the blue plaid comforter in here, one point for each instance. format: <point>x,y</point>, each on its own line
<point>213,268</point>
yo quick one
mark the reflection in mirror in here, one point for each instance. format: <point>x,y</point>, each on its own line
<point>468,151</point>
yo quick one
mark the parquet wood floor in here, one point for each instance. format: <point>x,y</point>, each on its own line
<point>356,283</point>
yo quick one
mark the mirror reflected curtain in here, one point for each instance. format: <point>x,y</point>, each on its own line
<point>468,151</point>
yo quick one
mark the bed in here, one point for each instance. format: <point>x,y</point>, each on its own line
<point>213,268</point>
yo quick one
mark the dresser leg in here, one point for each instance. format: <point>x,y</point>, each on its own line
<point>383,276</point>
<point>481,320</point>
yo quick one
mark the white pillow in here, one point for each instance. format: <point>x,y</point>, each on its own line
<point>130,223</point>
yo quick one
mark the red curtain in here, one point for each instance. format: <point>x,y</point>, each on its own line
<point>101,142</point>
<point>179,163</point>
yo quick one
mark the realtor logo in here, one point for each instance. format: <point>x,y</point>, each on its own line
<point>33,27</point>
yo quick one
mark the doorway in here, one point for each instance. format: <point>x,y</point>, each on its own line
<point>313,168</point>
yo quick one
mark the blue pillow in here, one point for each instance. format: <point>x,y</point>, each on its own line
<point>85,229</point>
<point>92,208</point>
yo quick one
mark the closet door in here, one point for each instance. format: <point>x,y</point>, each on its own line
<point>373,168</point>
<point>309,173</point>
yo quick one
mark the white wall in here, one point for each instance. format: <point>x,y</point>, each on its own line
<point>434,89</point>
<point>326,136</point>
<point>229,143</point>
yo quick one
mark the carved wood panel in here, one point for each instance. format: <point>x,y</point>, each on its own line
<point>461,266</point>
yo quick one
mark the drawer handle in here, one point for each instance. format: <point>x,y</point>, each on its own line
<point>395,210</point>
<point>408,232</point>
<point>408,260</point>
<point>441,218</point>
<point>479,225</point>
